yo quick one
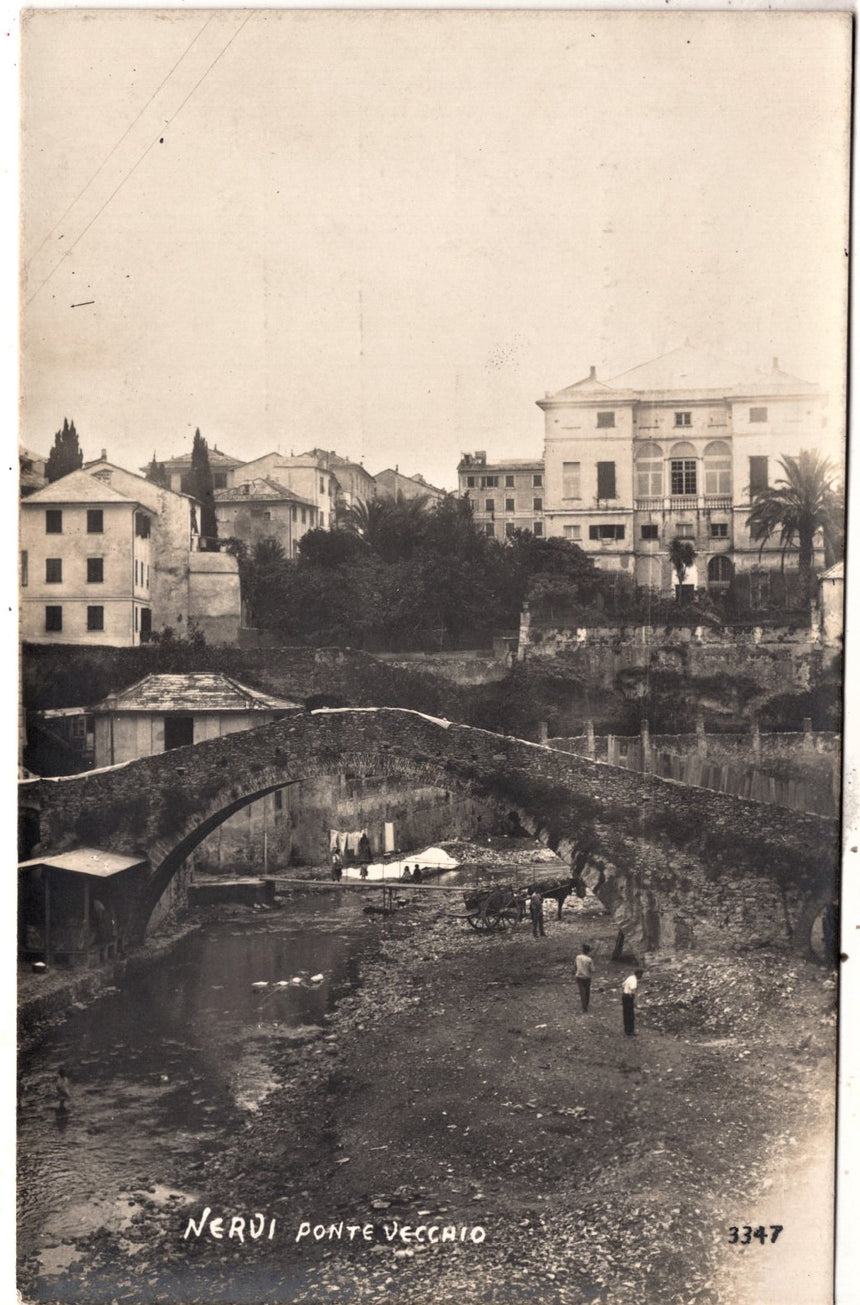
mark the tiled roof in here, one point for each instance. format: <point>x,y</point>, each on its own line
<point>688,371</point>
<point>79,487</point>
<point>836,572</point>
<point>216,459</point>
<point>193,691</point>
<point>687,368</point>
<point>261,487</point>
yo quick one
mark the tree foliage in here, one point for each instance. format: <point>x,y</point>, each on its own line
<point>401,574</point>
<point>203,489</point>
<point>66,455</point>
<point>390,527</point>
<point>796,507</point>
<point>682,555</point>
<point>157,473</point>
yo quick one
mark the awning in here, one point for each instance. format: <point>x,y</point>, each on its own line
<point>86,861</point>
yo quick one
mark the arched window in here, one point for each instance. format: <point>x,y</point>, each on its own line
<point>718,468</point>
<point>720,571</point>
<point>682,469</point>
<point>649,471</point>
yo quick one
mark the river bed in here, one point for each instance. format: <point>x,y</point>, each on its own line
<point>173,1059</point>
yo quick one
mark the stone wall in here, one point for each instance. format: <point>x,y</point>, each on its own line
<point>458,667</point>
<point>777,659</point>
<point>679,867</point>
<point>291,826</point>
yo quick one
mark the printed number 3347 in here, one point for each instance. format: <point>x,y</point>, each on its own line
<point>743,1236</point>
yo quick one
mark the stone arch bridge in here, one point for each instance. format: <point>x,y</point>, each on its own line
<point>678,867</point>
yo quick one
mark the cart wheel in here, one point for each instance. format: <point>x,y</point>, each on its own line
<point>476,921</point>
<point>493,921</point>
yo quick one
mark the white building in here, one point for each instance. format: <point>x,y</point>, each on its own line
<point>86,564</point>
<point>676,447</point>
<point>161,712</point>
<point>175,524</point>
<point>308,475</point>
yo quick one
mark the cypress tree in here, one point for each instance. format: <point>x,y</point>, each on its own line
<point>156,472</point>
<point>66,454</point>
<point>203,489</point>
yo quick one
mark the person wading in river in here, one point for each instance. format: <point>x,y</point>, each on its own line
<point>584,971</point>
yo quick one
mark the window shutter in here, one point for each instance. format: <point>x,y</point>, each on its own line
<point>606,480</point>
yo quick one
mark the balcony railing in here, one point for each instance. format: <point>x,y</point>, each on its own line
<point>684,503</point>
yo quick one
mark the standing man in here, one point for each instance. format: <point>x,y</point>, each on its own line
<point>628,1002</point>
<point>584,971</point>
<point>536,912</point>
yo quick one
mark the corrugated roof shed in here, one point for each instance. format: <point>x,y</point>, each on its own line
<point>86,861</point>
<point>193,691</point>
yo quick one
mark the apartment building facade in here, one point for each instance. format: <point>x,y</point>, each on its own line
<point>505,496</point>
<point>261,508</point>
<point>223,467</point>
<point>306,474</point>
<point>86,564</point>
<point>174,537</point>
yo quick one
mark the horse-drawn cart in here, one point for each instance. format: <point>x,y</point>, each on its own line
<point>497,907</point>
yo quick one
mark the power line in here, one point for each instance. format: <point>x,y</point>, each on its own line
<point>134,168</point>
<point>109,156</point>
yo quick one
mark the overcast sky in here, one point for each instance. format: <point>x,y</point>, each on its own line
<point>389,234</point>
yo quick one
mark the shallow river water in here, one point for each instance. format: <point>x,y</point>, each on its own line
<point>171,1060</point>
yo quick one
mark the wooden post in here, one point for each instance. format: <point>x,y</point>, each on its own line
<point>85,931</point>
<point>47,885</point>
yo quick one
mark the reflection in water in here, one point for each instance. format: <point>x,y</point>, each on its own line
<point>172,1059</point>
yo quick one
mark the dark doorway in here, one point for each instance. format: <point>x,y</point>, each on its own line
<point>178,732</point>
<point>145,624</point>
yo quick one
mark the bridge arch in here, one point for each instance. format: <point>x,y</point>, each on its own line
<point>168,853</point>
<point>685,866</point>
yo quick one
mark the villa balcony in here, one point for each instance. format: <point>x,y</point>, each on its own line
<point>684,503</point>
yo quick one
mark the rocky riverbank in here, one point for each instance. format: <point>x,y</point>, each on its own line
<point>461,1091</point>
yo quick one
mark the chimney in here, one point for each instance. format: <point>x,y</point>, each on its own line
<point>776,364</point>
<point>592,374</point>
<point>104,455</point>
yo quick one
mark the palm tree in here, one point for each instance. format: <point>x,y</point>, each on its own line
<point>682,555</point>
<point>797,506</point>
<point>391,527</point>
<point>367,518</point>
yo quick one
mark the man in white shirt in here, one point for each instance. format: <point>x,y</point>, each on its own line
<point>584,971</point>
<point>628,1002</point>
